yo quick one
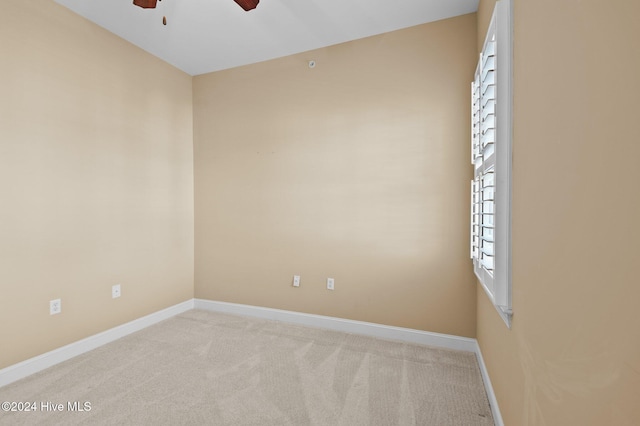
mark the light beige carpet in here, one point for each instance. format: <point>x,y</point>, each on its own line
<point>204,368</point>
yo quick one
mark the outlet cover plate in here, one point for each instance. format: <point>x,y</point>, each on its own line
<point>330,283</point>
<point>55,307</point>
<point>296,280</point>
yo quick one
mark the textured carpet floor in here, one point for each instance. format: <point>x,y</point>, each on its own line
<point>204,368</point>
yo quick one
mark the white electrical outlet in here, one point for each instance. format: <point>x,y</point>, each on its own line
<point>115,291</point>
<point>296,280</point>
<point>330,283</point>
<point>55,307</point>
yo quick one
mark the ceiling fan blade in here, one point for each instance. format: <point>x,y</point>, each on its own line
<point>145,4</point>
<point>247,4</point>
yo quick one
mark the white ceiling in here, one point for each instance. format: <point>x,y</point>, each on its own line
<point>202,36</point>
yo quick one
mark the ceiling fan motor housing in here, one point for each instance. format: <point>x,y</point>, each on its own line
<point>146,4</point>
<point>247,4</point>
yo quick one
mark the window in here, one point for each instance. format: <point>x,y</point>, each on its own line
<point>491,126</point>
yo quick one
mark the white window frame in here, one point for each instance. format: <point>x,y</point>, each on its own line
<point>491,153</point>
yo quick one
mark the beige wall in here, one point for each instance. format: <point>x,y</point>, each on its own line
<point>357,169</point>
<point>96,180</point>
<point>573,354</point>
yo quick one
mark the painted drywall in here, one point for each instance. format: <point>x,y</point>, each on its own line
<point>96,180</point>
<point>573,354</point>
<point>356,169</point>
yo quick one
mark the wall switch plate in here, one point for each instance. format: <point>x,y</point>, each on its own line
<point>296,280</point>
<point>115,291</point>
<point>55,307</point>
<point>330,283</point>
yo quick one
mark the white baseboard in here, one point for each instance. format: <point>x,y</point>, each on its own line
<point>493,401</point>
<point>345,325</point>
<point>33,365</point>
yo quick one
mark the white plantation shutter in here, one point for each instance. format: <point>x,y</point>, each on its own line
<point>491,158</point>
